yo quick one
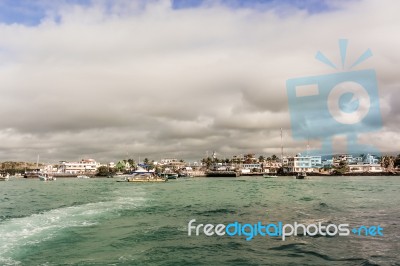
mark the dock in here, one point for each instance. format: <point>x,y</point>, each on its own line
<point>222,174</point>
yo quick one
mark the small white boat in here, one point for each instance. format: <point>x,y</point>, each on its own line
<point>269,176</point>
<point>46,177</point>
<point>83,177</point>
<point>5,177</point>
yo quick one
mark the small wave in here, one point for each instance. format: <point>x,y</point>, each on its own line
<point>293,246</point>
<point>323,205</point>
<point>215,211</point>
<point>306,199</point>
<point>40,227</point>
<point>301,249</point>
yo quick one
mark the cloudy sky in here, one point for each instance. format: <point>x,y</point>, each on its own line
<point>116,79</point>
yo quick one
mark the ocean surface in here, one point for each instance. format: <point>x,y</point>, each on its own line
<point>104,222</point>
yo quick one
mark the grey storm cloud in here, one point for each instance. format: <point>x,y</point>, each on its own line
<point>149,80</point>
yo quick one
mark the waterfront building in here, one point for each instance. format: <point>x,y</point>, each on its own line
<point>168,161</point>
<point>252,166</point>
<point>222,167</point>
<point>123,165</point>
<point>299,163</point>
<point>350,159</point>
<point>365,168</point>
<point>172,163</point>
<point>271,167</point>
<point>247,168</point>
<point>49,169</point>
<point>84,166</point>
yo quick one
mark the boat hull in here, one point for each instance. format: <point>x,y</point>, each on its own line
<point>46,178</point>
<point>147,180</point>
<point>169,175</point>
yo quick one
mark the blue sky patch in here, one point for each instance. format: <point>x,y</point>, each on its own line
<point>30,12</point>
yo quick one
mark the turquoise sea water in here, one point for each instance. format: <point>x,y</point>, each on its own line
<point>103,222</point>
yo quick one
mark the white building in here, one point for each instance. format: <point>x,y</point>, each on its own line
<point>84,166</point>
<point>365,168</point>
<point>169,161</point>
<point>272,166</point>
<point>251,166</point>
<point>300,163</point>
<point>247,168</point>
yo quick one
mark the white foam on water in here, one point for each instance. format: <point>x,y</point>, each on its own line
<point>18,232</point>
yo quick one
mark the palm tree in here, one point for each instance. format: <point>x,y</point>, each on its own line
<point>388,162</point>
<point>261,159</point>
<point>207,161</point>
<point>397,161</point>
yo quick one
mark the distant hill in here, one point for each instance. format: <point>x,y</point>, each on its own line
<point>19,165</point>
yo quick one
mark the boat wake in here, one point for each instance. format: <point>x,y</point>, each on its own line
<point>19,232</point>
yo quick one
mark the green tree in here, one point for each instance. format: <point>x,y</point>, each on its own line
<point>261,159</point>
<point>274,157</point>
<point>248,158</point>
<point>131,162</point>
<point>397,161</point>
<point>342,168</point>
<point>103,171</point>
<point>120,166</point>
<point>207,161</point>
<point>388,162</point>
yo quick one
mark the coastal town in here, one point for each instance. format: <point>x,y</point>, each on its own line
<point>241,165</point>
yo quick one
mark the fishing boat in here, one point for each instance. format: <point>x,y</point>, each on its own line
<point>142,175</point>
<point>168,174</point>
<point>147,179</point>
<point>46,177</point>
<point>143,178</point>
<point>301,175</point>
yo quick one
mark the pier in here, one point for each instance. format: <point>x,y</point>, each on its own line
<point>222,174</point>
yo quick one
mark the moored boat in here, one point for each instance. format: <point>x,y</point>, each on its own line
<point>32,174</point>
<point>301,175</point>
<point>156,179</point>
<point>5,177</point>
<point>169,175</point>
<point>143,177</point>
<point>82,177</point>
<point>46,177</point>
<point>269,176</point>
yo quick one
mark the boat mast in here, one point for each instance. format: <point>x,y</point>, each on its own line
<point>281,148</point>
<point>37,162</point>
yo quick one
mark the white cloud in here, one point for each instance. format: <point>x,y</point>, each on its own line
<point>149,80</point>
